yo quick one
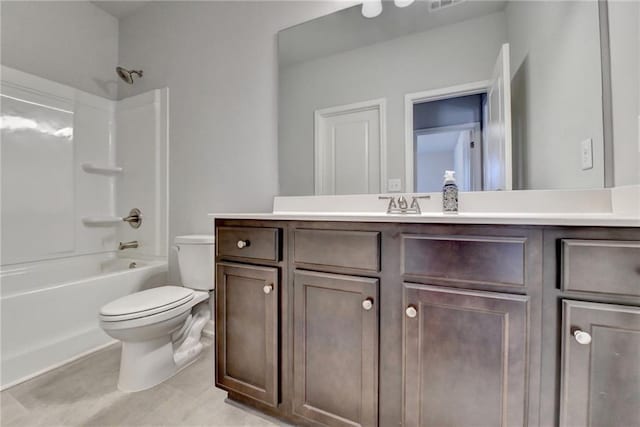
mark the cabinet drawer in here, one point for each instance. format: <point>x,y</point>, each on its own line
<point>602,266</point>
<point>474,259</point>
<point>338,248</point>
<point>248,242</point>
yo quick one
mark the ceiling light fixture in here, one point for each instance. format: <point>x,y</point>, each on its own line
<point>371,8</point>
<point>403,3</point>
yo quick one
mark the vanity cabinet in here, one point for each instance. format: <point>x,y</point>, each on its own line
<point>600,365</point>
<point>465,357</point>
<point>247,349</point>
<point>335,364</point>
<point>396,324</point>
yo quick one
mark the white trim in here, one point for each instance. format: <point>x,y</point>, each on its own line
<point>440,129</point>
<point>58,365</point>
<point>379,104</point>
<point>36,88</point>
<point>410,99</point>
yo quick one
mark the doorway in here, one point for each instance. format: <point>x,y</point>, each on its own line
<point>485,163</point>
<point>456,147</point>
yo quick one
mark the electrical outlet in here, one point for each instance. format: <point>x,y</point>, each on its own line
<point>394,184</point>
<point>586,154</point>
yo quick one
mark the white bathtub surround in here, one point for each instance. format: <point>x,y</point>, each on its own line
<point>600,207</point>
<point>67,156</point>
<point>48,131</point>
<point>48,315</point>
<point>142,139</point>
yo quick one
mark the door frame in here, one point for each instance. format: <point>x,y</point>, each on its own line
<point>319,115</point>
<point>471,88</point>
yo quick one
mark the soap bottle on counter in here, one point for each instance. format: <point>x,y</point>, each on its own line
<point>450,193</point>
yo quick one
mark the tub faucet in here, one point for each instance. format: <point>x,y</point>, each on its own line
<point>128,245</point>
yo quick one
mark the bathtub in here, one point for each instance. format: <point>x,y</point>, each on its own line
<point>49,309</point>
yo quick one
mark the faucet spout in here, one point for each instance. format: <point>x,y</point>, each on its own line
<point>128,245</point>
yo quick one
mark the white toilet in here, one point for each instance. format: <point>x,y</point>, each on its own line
<point>160,328</point>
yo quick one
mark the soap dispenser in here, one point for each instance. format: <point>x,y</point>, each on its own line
<point>450,193</point>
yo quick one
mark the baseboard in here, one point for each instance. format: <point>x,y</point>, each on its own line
<point>58,365</point>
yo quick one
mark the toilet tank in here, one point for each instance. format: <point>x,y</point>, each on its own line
<point>195,260</point>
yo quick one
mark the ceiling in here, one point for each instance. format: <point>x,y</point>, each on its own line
<point>120,9</point>
<point>347,29</point>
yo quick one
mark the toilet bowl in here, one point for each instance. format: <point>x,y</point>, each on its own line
<point>160,328</point>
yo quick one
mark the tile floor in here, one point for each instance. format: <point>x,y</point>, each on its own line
<point>84,393</point>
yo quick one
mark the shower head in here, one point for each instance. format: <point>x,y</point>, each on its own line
<point>127,75</point>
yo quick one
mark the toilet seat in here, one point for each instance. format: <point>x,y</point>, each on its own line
<point>146,303</point>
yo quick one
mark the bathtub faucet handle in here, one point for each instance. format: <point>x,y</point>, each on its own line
<point>134,218</point>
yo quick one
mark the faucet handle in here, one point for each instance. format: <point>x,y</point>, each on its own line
<point>392,202</point>
<point>415,205</point>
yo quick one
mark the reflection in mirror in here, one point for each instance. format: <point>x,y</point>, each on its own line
<point>506,93</point>
<point>448,134</point>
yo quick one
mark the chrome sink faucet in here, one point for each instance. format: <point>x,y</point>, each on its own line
<point>401,206</point>
<point>128,245</point>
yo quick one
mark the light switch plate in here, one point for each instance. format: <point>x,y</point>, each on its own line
<point>586,154</point>
<point>394,184</point>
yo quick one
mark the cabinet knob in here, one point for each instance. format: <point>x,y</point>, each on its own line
<point>242,244</point>
<point>267,289</point>
<point>367,304</point>
<point>411,311</point>
<point>582,337</point>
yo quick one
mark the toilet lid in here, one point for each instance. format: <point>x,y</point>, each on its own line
<point>145,303</point>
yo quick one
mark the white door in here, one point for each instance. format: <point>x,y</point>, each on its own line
<point>468,161</point>
<point>497,146</point>
<point>349,148</point>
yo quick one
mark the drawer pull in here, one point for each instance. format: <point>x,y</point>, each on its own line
<point>367,304</point>
<point>267,289</point>
<point>242,244</point>
<point>582,337</point>
<point>411,311</point>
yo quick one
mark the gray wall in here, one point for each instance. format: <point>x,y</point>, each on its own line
<point>624,33</point>
<point>556,93</point>
<point>70,42</point>
<point>445,56</point>
<point>430,169</point>
<point>219,61</point>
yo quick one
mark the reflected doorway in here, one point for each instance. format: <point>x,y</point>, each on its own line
<point>455,147</point>
<point>448,135</point>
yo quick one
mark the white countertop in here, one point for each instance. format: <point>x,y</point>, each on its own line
<point>617,207</point>
<point>595,220</point>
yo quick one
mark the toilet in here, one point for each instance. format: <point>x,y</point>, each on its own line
<point>160,328</point>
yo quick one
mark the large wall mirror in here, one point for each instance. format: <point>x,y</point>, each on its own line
<point>512,95</point>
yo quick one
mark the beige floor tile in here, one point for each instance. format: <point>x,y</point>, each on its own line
<point>85,393</point>
<point>11,410</point>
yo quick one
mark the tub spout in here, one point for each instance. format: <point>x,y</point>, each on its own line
<point>128,245</point>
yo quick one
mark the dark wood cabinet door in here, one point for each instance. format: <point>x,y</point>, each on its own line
<point>600,365</point>
<point>335,349</point>
<point>465,357</point>
<point>247,330</point>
